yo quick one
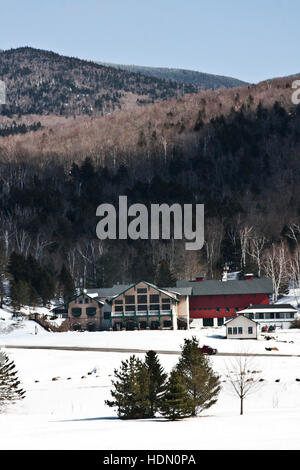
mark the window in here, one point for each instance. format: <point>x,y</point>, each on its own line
<point>154,298</point>
<point>240,330</point>
<point>166,305</point>
<point>250,330</point>
<point>142,299</point>
<point>208,322</point>
<point>118,308</point>
<point>229,330</point>
<point>87,300</point>
<point>217,309</point>
<point>91,311</point>
<point>118,302</point>
<point>129,299</point>
<point>227,309</point>
<point>234,330</point>
<point>167,324</point>
<point>106,315</point>
<point>154,307</point>
<point>220,321</point>
<point>129,308</point>
<point>76,312</point>
<point>142,308</point>
<point>142,290</point>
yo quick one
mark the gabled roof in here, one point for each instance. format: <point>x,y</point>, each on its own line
<point>241,315</point>
<point>179,290</point>
<point>163,291</point>
<point>254,286</point>
<point>76,297</point>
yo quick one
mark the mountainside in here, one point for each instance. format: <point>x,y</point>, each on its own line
<point>234,150</point>
<point>199,79</point>
<point>43,82</point>
<point>153,129</point>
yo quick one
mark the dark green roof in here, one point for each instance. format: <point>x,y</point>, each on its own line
<point>237,287</point>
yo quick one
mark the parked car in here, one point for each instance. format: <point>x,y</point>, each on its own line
<point>264,329</point>
<point>272,328</point>
<point>208,350</point>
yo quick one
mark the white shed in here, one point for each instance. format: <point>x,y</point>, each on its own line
<point>242,327</point>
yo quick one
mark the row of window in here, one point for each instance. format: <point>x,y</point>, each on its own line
<point>86,300</point>
<point>77,311</point>
<point>141,299</point>
<point>90,311</point>
<point>217,309</point>
<point>142,308</point>
<point>130,325</point>
<point>239,330</point>
<point>270,315</point>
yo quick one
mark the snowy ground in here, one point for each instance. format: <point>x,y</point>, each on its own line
<point>70,413</point>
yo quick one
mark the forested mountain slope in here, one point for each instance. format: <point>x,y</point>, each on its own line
<point>43,82</point>
<point>203,80</point>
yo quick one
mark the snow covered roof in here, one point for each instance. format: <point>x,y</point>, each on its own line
<point>241,315</point>
<point>270,308</point>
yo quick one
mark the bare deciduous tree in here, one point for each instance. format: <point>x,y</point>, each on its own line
<point>245,235</point>
<point>256,248</point>
<point>243,378</point>
<point>274,265</point>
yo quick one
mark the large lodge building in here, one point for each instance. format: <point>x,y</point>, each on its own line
<point>145,306</point>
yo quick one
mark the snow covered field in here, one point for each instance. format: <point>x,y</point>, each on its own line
<point>69,413</point>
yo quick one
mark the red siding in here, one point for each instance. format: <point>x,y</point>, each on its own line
<point>211,302</point>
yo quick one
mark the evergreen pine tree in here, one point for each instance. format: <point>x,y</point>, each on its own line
<point>17,266</point>
<point>66,284</point>
<point>34,299</point>
<point>165,277</point>
<point>157,378</point>
<point>175,403</point>
<point>203,385</point>
<point>19,294</point>
<point>10,389</point>
<point>131,390</point>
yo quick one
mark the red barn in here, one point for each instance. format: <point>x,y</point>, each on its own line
<point>216,301</point>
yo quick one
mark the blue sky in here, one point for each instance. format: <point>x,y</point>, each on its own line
<point>251,40</point>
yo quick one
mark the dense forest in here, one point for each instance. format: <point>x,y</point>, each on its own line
<point>42,82</point>
<point>236,151</point>
<point>245,169</point>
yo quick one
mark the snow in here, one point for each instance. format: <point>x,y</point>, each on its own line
<point>70,413</point>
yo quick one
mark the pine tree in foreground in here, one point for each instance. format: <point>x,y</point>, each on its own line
<point>175,403</point>
<point>157,380</point>
<point>131,390</point>
<point>203,385</point>
<point>10,390</point>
